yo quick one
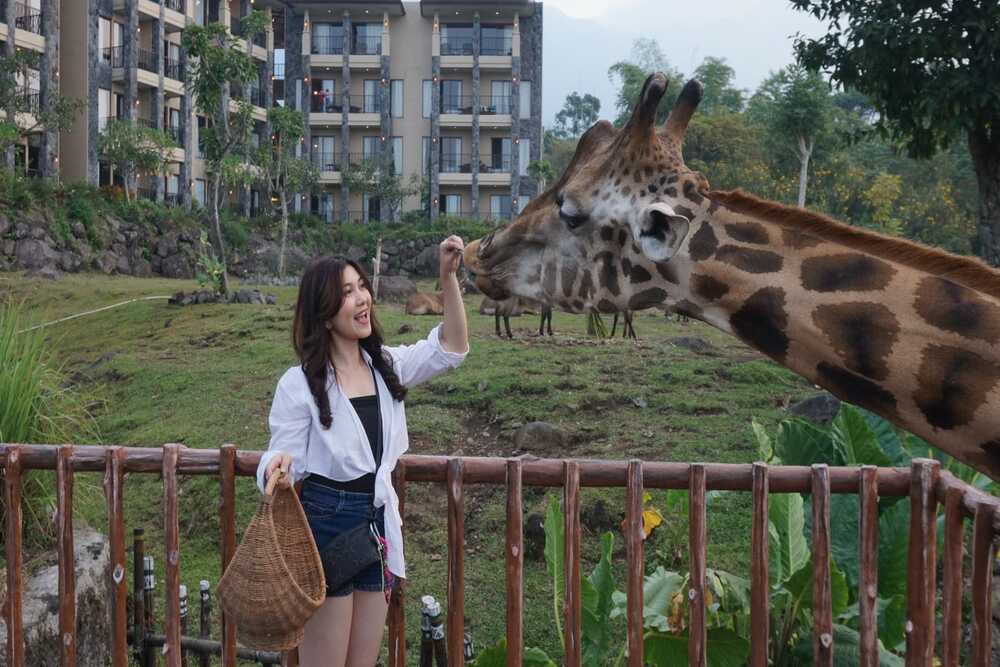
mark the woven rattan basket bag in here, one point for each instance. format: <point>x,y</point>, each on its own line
<point>275,581</point>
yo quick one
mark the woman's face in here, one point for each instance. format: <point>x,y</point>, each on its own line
<point>353,320</point>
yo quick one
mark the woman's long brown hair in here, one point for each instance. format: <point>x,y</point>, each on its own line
<point>321,295</point>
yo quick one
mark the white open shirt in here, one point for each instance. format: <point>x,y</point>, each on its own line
<point>342,452</point>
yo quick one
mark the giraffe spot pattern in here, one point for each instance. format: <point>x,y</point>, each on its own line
<point>856,389</point>
<point>687,309</point>
<point>992,451</point>
<point>708,287</point>
<point>748,232</point>
<point>647,298</point>
<point>607,273</point>
<point>606,306</point>
<point>667,271</point>
<point>862,335</point>
<point>607,233</point>
<point>685,211</point>
<point>586,285</point>
<point>958,309</point>
<point>691,192</point>
<point>749,259</point>
<point>703,243</point>
<point>549,279</point>
<point>846,272</point>
<point>639,275</point>
<point>568,277</point>
<point>761,321</point>
<point>952,385</point>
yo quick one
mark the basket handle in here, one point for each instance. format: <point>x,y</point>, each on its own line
<point>272,481</point>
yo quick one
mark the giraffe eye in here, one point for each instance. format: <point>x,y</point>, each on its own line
<point>570,214</point>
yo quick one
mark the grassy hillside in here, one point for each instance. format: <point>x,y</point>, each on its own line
<point>204,376</point>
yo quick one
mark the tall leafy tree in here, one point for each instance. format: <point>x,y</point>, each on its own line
<point>219,59</point>
<point>286,173</point>
<point>795,106</point>
<point>629,75</point>
<point>542,172</point>
<point>931,69</point>
<point>377,177</point>
<point>135,149</point>
<point>720,95</point>
<point>579,112</point>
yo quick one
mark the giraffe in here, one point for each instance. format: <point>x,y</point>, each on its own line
<point>906,331</point>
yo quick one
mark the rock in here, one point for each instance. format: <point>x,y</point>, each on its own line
<point>4,224</point>
<point>404,329</point>
<point>427,261</point>
<point>21,231</point>
<point>69,262</point>
<point>539,437</point>
<point>79,231</point>
<point>41,607</point>
<point>7,247</point>
<point>33,254</point>
<point>142,268</point>
<point>395,288</point>
<point>38,233</point>
<point>45,272</point>
<point>534,537</point>
<point>271,299</point>
<point>106,262</point>
<point>596,517</point>
<point>177,266</point>
<point>820,409</point>
<point>357,253</point>
<point>696,345</point>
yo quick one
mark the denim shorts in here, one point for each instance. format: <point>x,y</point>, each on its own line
<point>331,512</point>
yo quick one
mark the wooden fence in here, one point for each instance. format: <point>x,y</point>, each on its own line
<point>926,485</point>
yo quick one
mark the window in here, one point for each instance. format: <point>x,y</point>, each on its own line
<point>372,209</point>
<point>199,191</point>
<point>451,204</point>
<point>324,96</point>
<point>367,38</point>
<point>369,148</point>
<point>524,156</point>
<point>500,97</point>
<point>117,33</point>
<point>523,202</point>
<point>525,95</point>
<point>496,40</point>
<point>499,159</point>
<point>425,155</point>
<point>321,206</point>
<point>456,39</point>
<point>451,154</point>
<point>104,37</point>
<point>103,108</point>
<point>202,123</point>
<point>371,102</point>
<point>396,98</point>
<point>425,94</point>
<point>500,207</point>
<point>172,184</point>
<point>327,38</point>
<point>451,96</point>
<point>397,155</point>
<point>324,153</point>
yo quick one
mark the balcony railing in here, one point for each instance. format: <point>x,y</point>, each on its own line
<point>494,163</point>
<point>367,45</point>
<point>114,55</point>
<point>460,46</point>
<point>146,60</point>
<point>173,198</point>
<point>452,163</point>
<point>496,46</point>
<point>466,104</point>
<point>30,101</point>
<point>327,45</point>
<point>146,192</point>
<point>255,94</point>
<point>361,217</point>
<point>323,103</point>
<point>465,215</point>
<point>176,5</point>
<point>176,133</point>
<point>326,161</point>
<point>27,18</point>
<point>457,104</point>
<point>927,491</point>
<point>172,69</point>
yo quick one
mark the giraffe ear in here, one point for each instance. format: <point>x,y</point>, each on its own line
<point>660,231</point>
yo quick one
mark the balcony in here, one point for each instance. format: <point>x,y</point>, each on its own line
<point>173,199</point>
<point>367,45</point>
<point>176,133</point>
<point>254,93</point>
<point>494,46</point>
<point>172,69</point>
<point>461,46</point>
<point>29,102</point>
<point>327,45</point>
<point>114,56</point>
<point>176,5</point>
<point>146,60</point>
<point>27,18</point>
<point>326,109</point>
<point>455,163</point>
<point>326,161</point>
<point>494,163</point>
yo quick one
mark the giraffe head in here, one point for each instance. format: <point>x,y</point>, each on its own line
<point>610,233</point>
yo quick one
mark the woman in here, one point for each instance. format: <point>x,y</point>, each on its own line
<point>326,421</point>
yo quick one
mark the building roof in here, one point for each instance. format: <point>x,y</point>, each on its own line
<point>500,7</point>
<point>391,7</point>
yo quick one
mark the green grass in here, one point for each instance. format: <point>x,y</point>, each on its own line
<point>204,376</point>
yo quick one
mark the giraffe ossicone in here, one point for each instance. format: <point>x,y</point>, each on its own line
<point>906,331</point>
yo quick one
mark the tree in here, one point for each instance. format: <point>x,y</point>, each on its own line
<point>377,177</point>
<point>286,174</point>
<point>135,149</point>
<point>930,70</point>
<point>542,172</point>
<point>579,112</point>
<point>795,106</point>
<point>720,95</point>
<point>25,115</point>
<point>629,75</point>
<point>219,59</point>
<point>557,151</point>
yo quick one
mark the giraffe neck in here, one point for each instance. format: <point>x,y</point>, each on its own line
<point>877,324</point>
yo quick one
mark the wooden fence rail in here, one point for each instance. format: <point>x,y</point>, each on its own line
<point>924,483</point>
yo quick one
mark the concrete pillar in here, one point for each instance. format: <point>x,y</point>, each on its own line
<point>435,117</point>
<point>8,50</point>
<point>243,196</point>
<point>515,116</point>
<point>476,97</point>
<point>131,57</point>
<point>188,123</point>
<point>49,85</point>
<point>158,101</point>
<point>93,108</point>
<point>385,113</point>
<point>345,129</point>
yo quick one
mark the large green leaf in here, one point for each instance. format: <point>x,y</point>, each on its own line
<point>800,585</point>
<point>785,512</point>
<point>846,650</point>
<point>724,649</point>
<point>800,443</point>
<point>597,590</point>
<point>765,449</point>
<point>555,552</point>
<point>893,539</point>
<point>496,656</point>
<point>892,620</point>
<point>854,439</point>
<point>658,590</point>
<point>887,438</point>
<point>844,535</point>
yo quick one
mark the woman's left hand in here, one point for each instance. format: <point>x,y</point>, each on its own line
<point>451,255</point>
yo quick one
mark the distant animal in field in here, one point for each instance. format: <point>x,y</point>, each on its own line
<point>628,331</point>
<point>515,307</point>
<point>423,303</point>
<point>546,319</point>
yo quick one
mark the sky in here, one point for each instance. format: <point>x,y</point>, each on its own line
<point>583,38</point>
